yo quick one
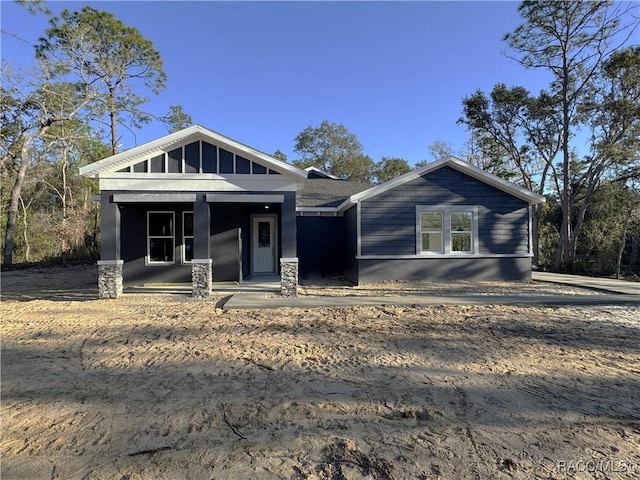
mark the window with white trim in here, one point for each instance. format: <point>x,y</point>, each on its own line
<point>446,230</point>
<point>187,237</point>
<point>160,238</point>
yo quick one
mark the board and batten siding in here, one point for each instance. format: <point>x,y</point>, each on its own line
<point>388,220</point>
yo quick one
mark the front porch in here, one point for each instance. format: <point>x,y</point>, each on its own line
<point>198,241</point>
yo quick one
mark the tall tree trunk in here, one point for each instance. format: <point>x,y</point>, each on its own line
<point>27,247</point>
<point>563,260</point>
<point>14,205</point>
<point>623,239</point>
<point>113,120</point>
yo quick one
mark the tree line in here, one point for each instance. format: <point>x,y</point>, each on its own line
<point>577,141</point>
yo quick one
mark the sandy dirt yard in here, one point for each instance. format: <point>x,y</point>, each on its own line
<point>168,387</point>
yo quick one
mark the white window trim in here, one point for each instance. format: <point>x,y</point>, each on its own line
<point>184,237</point>
<point>446,230</point>
<point>148,260</point>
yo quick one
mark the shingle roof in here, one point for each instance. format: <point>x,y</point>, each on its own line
<point>325,192</point>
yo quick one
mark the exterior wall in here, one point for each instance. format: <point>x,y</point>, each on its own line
<point>321,245</point>
<point>446,269</point>
<point>229,222</point>
<point>134,246</point>
<point>351,244</point>
<point>388,220</point>
<point>229,238</point>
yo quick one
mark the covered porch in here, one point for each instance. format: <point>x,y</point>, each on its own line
<point>201,240</point>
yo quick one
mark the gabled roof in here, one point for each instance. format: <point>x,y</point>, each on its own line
<point>456,164</point>
<point>195,132</point>
<point>327,192</point>
<point>316,172</point>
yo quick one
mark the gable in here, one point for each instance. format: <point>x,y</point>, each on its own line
<point>199,156</point>
<point>453,163</point>
<point>447,185</point>
<point>194,150</point>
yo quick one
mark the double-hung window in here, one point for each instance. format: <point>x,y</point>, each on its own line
<point>461,232</point>
<point>446,230</point>
<point>160,237</point>
<point>431,232</point>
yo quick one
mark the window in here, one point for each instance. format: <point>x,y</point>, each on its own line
<point>431,231</point>
<point>461,232</point>
<point>226,161</point>
<point>192,157</point>
<point>209,158</point>
<point>187,237</point>
<point>157,164</point>
<point>174,161</point>
<point>447,230</point>
<point>160,245</point>
<point>242,165</point>
<point>140,167</point>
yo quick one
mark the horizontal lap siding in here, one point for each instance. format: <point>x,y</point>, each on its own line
<point>388,220</point>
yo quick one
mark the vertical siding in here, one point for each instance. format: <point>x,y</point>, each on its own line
<point>389,219</point>
<point>321,245</point>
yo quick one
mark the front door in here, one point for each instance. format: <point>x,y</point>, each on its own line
<point>263,244</point>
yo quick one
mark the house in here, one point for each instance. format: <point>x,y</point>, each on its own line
<point>196,206</point>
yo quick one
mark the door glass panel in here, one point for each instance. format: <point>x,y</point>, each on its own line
<point>264,234</point>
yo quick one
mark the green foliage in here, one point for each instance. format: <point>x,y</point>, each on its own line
<point>517,135</point>
<point>177,119</point>
<point>90,69</point>
<point>332,148</point>
<point>389,168</point>
<point>279,155</point>
<point>99,50</point>
<point>612,217</point>
<point>34,6</point>
<point>572,41</point>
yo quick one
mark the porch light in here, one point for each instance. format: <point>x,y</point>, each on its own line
<point>266,207</point>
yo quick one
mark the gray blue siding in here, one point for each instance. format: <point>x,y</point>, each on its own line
<point>446,269</point>
<point>388,220</point>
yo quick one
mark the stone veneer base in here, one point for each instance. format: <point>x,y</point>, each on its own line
<point>201,278</point>
<point>289,277</point>
<point>109,278</point>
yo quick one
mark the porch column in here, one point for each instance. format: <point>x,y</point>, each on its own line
<point>201,274</point>
<point>110,264</point>
<point>289,260</point>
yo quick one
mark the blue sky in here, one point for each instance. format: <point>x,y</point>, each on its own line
<point>393,73</point>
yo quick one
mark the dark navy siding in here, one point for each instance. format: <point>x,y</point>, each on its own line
<point>229,239</point>
<point>321,245</point>
<point>133,248</point>
<point>351,247</point>
<point>388,220</point>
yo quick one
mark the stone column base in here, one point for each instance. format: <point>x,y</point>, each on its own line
<point>289,277</point>
<point>109,278</point>
<point>201,277</point>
